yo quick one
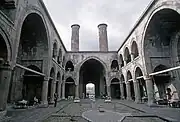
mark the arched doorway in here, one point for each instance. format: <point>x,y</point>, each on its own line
<point>69,88</point>
<point>32,85</point>
<point>92,71</point>
<point>50,85</point>
<point>121,60</point>
<point>161,42</point>
<point>58,82</point>
<point>90,90</point>
<point>162,81</point>
<point>142,83</point>
<point>115,88</point>
<point>129,79</point>
<point>124,86</point>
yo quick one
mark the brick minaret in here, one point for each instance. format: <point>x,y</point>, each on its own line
<point>75,37</point>
<point>103,40</point>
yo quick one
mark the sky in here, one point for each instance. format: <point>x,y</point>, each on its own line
<point>119,15</point>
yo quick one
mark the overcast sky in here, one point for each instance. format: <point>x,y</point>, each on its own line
<point>120,15</point>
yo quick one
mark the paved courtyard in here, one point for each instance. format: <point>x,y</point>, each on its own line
<point>116,111</point>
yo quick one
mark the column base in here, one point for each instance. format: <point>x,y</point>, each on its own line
<point>43,104</point>
<point>63,98</point>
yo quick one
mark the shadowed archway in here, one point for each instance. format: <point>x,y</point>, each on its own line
<point>92,71</point>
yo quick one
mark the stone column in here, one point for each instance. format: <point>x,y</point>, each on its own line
<point>122,90</point>
<point>103,39</point>
<point>63,90</point>
<point>125,63</point>
<point>150,90</point>
<point>5,78</point>
<point>44,101</point>
<point>59,90</point>
<point>132,56</point>
<point>109,91</point>
<point>77,100</point>
<point>53,90</point>
<point>128,88</point>
<point>137,91</point>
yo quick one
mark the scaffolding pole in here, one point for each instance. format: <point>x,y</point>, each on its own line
<point>25,68</point>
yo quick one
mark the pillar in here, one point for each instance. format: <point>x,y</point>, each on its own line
<point>77,91</point>
<point>150,90</point>
<point>63,90</point>
<point>132,56</point>
<point>125,63</point>
<point>53,90</point>
<point>128,88</point>
<point>44,101</point>
<point>109,90</point>
<point>122,90</point>
<point>59,90</point>
<point>137,91</point>
<point>5,78</point>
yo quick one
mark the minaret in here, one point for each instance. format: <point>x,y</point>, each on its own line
<point>75,37</point>
<point>103,40</point>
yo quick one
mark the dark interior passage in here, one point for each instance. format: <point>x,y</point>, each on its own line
<point>115,89</point>
<point>92,71</point>
<point>32,85</point>
<point>69,88</point>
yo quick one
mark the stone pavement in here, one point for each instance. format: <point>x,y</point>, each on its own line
<point>74,111</point>
<point>33,115</point>
<point>171,114</point>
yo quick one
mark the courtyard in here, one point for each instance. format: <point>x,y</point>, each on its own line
<point>87,110</point>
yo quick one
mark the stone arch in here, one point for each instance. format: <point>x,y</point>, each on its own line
<point>50,84</point>
<point>95,58</point>
<point>115,88</point>
<point>69,66</point>
<point>55,50</point>
<point>114,65</point>
<point>59,56</point>
<point>87,74</point>
<point>141,83</point>
<point>121,60</point>
<point>127,55</point>
<point>18,25</point>
<point>169,6</point>
<point>134,50</point>
<point>129,79</point>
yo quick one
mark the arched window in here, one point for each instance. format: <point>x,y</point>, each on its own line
<point>59,56</point>
<point>54,50</point>
<point>127,56</point>
<point>114,65</point>
<point>121,60</point>
<point>134,50</point>
<point>69,66</point>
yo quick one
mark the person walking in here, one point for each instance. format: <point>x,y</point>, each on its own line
<point>55,99</point>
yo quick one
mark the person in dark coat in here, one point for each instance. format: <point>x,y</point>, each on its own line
<point>55,99</point>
